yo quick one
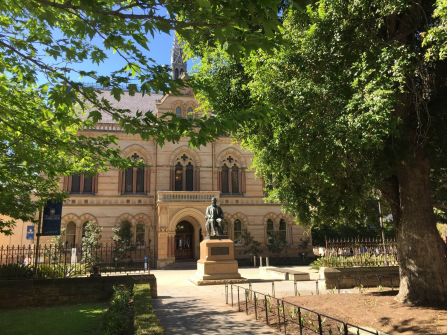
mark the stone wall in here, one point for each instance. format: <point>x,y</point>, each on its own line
<point>349,277</point>
<point>49,292</point>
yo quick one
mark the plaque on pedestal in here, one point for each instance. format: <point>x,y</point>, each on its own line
<point>217,264</point>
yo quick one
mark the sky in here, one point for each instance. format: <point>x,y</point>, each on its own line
<point>159,50</point>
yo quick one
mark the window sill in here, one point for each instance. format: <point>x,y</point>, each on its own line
<point>232,195</point>
<point>81,193</point>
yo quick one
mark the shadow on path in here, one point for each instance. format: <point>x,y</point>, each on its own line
<point>187,315</point>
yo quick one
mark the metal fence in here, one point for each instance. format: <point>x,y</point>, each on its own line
<point>361,252</point>
<point>288,317</point>
<point>61,261</point>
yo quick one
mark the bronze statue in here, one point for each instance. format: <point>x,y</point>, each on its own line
<point>214,217</point>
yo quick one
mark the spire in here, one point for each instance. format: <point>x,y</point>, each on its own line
<point>178,65</point>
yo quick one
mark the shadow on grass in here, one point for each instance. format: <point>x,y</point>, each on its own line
<point>81,319</point>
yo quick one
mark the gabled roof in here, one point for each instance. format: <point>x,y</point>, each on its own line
<point>135,103</point>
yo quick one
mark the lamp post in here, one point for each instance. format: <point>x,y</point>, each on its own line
<point>382,231</point>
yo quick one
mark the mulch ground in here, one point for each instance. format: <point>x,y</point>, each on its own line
<point>377,310</point>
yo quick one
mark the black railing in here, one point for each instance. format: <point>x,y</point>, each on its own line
<point>62,261</point>
<point>360,252</point>
<point>288,317</point>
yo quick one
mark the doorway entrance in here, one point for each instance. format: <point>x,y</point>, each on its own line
<point>184,241</point>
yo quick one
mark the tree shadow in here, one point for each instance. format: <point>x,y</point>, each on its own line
<point>187,315</point>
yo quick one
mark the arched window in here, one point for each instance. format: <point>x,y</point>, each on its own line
<point>83,230</point>
<point>129,180</point>
<point>269,229</point>
<point>140,183</point>
<point>178,112</point>
<point>190,112</point>
<point>70,234</point>
<point>189,177</point>
<point>231,177</point>
<point>184,174</point>
<point>225,179</point>
<point>80,184</point>
<point>282,229</point>
<point>140,234</point>
<point>135,179</point>
<point>178,177</point>
<point>235,179</point>
<point>76,183</point>
<point>237,229</point>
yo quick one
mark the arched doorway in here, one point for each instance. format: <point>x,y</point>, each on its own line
<point>184,241</point>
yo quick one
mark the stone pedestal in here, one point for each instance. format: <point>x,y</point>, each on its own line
<point>217,264</point>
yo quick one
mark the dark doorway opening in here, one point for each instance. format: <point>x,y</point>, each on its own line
<point>184,241</point>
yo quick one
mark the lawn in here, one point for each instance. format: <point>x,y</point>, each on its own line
<point>79,319</point>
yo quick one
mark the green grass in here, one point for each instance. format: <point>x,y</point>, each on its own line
<point>145,320</point>
<point>79,319</point>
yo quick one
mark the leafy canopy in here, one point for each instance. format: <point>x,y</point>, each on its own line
<point>325,112</point>
<point>47,49</point>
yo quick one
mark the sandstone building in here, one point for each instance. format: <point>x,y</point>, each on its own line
<point>164,202</point>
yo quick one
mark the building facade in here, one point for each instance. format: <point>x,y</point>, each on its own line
<point>164,202</point>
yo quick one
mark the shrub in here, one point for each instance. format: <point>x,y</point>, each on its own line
<point>119,318</point>
<point>358,260</point>
<point>146,322</point>
<point>53,271</point>
<point>16,271</point>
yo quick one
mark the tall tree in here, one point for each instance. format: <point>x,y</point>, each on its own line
<point>46,46</point>
<point>349,104</point>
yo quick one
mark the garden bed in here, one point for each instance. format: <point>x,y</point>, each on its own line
<point>378,310</point>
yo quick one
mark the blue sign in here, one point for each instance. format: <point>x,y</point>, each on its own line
<point>51,224</point>
<point>30,232</point>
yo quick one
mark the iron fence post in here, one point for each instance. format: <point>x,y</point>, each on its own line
<point>284,315</point>
<point>319,319</point>
<point>299,315</point>
<point>345,329</point>
<point>255,305</point>
<point>238,288</point>
<point>278,313</point>
<point>227,293</point>
<point>246,294</point>
<point>266,309</point>
<point>273,289</point>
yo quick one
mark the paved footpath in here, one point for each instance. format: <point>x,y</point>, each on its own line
<point>184,308</point>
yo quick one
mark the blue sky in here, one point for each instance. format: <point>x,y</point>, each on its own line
<point>159,50</point>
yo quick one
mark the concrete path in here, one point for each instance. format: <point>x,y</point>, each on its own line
<point>184,308</point>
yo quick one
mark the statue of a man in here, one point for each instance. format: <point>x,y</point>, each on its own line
<point>214,217</point>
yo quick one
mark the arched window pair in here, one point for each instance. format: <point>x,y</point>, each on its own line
<point>272,234</point>
<point>232,177</point>
<point>135,180</point>
<point>71,236</point>
<point>126,235</point>
<point>185,176</point>
<point>81,184</point>
<point>179,112</point>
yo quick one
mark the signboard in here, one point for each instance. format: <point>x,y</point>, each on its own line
<point>30,232</point>
<point>51,224</point>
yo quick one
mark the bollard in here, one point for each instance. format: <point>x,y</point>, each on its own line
<point>317,287</point>
<point>267,261</point>
<point>255,261</point>
<point>261,261</point>
<point>295,287</point>
<point>273,289</point>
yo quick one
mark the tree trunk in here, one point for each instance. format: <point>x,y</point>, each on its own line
<point>421,250</point>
